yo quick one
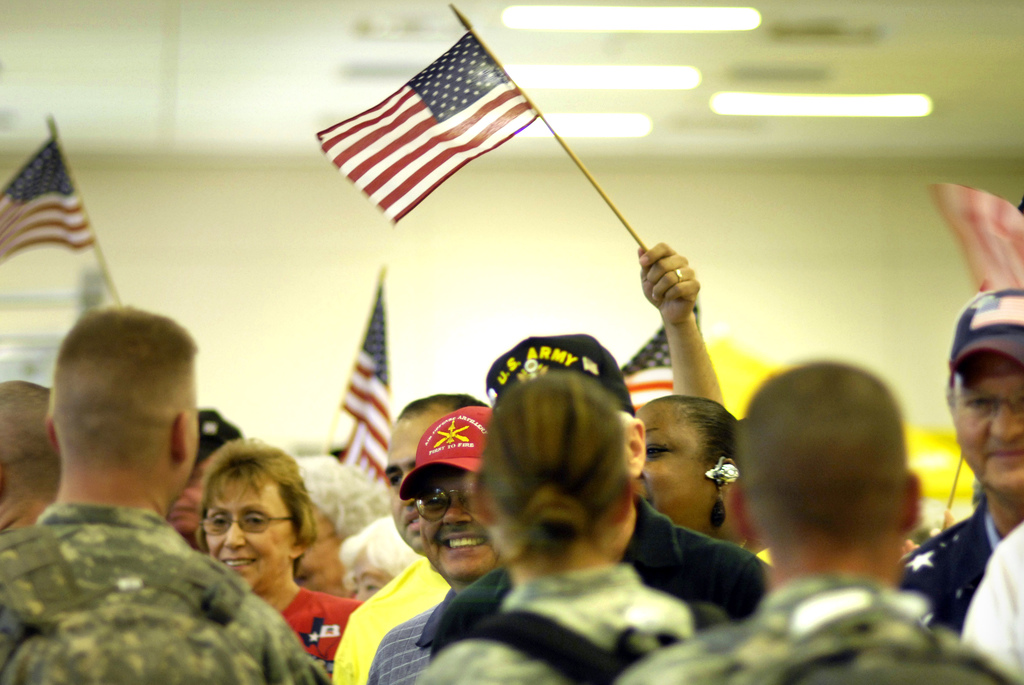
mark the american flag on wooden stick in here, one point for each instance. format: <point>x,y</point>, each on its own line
<point>368,399</point>
<point>41,206</point>
<point>648,374</point>
<point>455,110</point>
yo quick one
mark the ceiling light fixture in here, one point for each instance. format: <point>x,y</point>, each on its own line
<point>786,105</point>
<point>589,18</point>
<point>604,77</point>
<point>592,126</point>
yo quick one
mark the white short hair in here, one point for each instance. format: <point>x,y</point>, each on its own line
<point>344,494</point>
<point>384,548</point>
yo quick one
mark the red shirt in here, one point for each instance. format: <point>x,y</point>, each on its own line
<point>320,619</point>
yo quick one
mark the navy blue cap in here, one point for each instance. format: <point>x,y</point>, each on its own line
<point>991,322</point>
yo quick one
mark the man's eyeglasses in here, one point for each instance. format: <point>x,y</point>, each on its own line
<point>985,407</point>
<point>253,522</point>
<point>433,505</point>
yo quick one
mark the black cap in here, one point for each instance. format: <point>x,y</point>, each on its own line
<point>214,431</point>
<point>536,356</point>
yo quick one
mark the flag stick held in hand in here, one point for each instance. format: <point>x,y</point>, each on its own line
<point>561,141</point>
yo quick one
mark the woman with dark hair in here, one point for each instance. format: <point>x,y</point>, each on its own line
<point>556,496</point>
<point>691,446</point>
<point>258,519</point>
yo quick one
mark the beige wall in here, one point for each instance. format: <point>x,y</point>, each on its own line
<point>271,265</point>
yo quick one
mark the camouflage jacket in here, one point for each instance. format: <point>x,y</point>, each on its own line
<point>598,604</point>
<point>864,632</point>
<point>104,545</point>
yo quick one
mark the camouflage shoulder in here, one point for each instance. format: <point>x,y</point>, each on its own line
<point>266,635</point>
<point>472,662</point>
<point>689,662</point>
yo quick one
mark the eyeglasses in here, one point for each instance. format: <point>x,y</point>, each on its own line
<point>432,506</point>
<point>986,407</point>
<point>252,522</point>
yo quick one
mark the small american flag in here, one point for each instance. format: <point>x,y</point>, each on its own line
<point>991,232</point>
<point>368,399</point>
<point>648,375</point>
<point>40,206</point>
<point>1004,310</point>
<point>455,110</point>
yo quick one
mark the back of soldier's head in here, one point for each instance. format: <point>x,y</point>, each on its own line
<point>122,376</point>
<point>30,463</point>
<point>822,453</point>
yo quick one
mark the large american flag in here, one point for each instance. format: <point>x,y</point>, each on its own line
<point>455,110</point>
<point>648,374</point>
<point>40,206</point>
<point>368,399</point>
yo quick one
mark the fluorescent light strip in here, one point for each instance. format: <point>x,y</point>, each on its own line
<point>783,105</point>
<point>582,18</point>
<point>591,126</point>
<point>604,77</point>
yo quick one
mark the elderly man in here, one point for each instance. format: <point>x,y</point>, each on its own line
<point>29,465</point>
<point>123,419</point>
<point>687,565</point>
<point>457,545</point>
<point>826,485</point>
<point>986,398</point>
<point>419,587</point>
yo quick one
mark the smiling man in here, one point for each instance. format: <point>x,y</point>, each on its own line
<point>457,545</point>
<point>419,587</point>
<point>986,399</point>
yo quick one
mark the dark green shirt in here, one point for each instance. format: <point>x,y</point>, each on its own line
<point>685,564</point>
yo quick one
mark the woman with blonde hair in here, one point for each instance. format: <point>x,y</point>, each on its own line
<point>258,519</point>
<point>556,496</point>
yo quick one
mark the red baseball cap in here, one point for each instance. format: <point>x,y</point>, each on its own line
<point>455,440</point>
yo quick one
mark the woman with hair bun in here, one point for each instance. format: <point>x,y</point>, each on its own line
<point>556,496</point>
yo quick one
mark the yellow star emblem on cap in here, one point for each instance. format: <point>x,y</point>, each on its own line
<point>452,435</point>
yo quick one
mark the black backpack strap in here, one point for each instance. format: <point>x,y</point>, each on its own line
<point>563,649</point>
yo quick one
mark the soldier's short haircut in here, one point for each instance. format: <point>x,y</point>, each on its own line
<point>122,374</point>
<point>31,464</point>
<point>823,451</point>
<point>449,402</point>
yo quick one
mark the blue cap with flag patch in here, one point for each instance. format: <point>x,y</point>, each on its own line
<point>991,322</point>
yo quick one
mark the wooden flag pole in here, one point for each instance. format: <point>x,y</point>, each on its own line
<point>104,269</point>
<point>561,141</point>
<point>956,478</point>
<point>341,404</point>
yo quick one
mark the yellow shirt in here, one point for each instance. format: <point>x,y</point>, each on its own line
<point>411,592</point>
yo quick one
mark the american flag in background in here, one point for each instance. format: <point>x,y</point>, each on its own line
<point>40,206</point>
<point>455,110</point>
<point>648,374</point>
<point>368,399</point>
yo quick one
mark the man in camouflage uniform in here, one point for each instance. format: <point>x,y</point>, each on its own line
<point>124,421</point>
<point>29,466</point>
<point>826,486</point>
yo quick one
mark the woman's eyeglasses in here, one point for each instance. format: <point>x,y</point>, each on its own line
<point>253,522</point>
<point>432,506</point>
